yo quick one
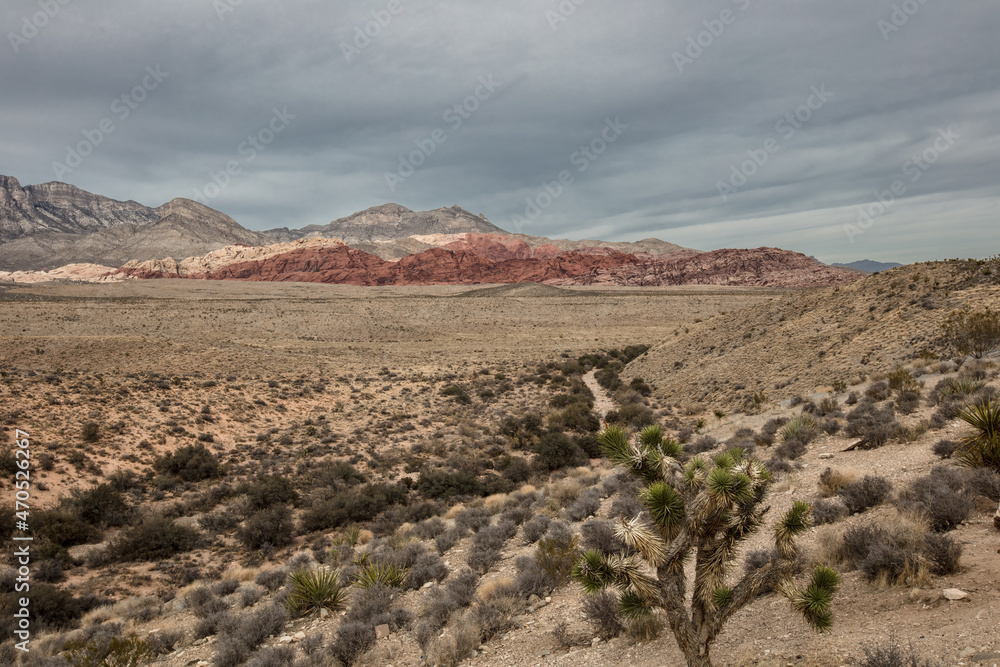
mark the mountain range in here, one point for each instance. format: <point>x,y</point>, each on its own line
<point>57,231</point>
<point>870,266</point>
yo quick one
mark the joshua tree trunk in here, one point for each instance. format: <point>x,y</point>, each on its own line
<point>704,508</point>
<point>996,518</point>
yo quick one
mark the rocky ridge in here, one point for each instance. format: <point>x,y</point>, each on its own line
<point>499,260</point>
<point>62,208</point>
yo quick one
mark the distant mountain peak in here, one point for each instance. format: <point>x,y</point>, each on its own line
<point>392,222</point>
<point>869,265</point>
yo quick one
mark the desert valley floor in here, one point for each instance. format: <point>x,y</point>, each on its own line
<point>290,380</point>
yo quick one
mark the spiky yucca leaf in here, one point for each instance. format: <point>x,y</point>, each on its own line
<point>315,590</point>
<point>672,448</point>
<point>651,437</point>
<point>628,575</point>
<point>634,533</point>
<point>722,596</point>
<point>661,466</point>
<point>593,572</point>
<point>746,521</point>
<point>728,487</point>
<point>632,606</point>
<point>724,461</point>
<point>814,605</point>
<point>664,504</point>
<point>713,564</point>
<point>826,578</point>
<point>983,416</point>
<point>695,472</point>
<point>795,521</point>
<point>381,574</point>
<point>615,445</point>
<point>983,447</point>
<point>737,454</point>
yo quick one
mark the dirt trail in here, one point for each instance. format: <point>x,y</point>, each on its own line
<point>602,402</point>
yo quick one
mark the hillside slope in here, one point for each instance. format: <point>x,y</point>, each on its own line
<point>798,343</point>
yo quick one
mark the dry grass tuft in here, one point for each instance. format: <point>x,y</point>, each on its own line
<point>832,480</point>
<point>489,589</point>
<point>240,573</point>
<point>564,491</point>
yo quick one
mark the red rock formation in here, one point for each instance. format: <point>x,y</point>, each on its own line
<point>485,260</point>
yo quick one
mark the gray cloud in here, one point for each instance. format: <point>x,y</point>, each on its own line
<point>686,129</point>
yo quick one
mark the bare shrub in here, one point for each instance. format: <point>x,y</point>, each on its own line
<point>239,636</point>
<point>428,529</point>
<point>938,496</point>
<point>943,553</point>
<point>973,332</point>
<point>428,567</point>
<point>828,511</point>
<point>586,505</point>
<point>535,527</point>
<point>867,492</point>
<point>600,536</point>
<point>899,550</point>
<point>984,482</point>
<point>351,640</point>
<point>487,545</point>
<point>272,580</point>
<point>473,519</point>
<point>225,587</point>
<point>209,625</point>
<point>601,610</point>
<point>874,426</point>
<point>273,656</point>
<point>879,391</point>
<point>703,444</point>
<point>448,539</point>
<point>203,602</point>
<point>944,448</point>
<point>272,526</point>
<point>889,654</point>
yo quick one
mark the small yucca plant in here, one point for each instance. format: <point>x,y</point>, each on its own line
<point>961,386</point>
<point>380,574</point>
<point>982,449</point>
<point>706,509</point>
<point>313,590</point>
<point>796,425</point>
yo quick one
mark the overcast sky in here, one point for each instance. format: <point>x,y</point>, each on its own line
<point>673,101</point>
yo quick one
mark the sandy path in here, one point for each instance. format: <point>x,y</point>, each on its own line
<point>602,402</point>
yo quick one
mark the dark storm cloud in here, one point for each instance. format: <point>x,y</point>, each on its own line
<point>693,86</point>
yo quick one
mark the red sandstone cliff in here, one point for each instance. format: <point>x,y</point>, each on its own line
<point>489,259</point>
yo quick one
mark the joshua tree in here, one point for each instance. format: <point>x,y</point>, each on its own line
<point>705,508</point>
